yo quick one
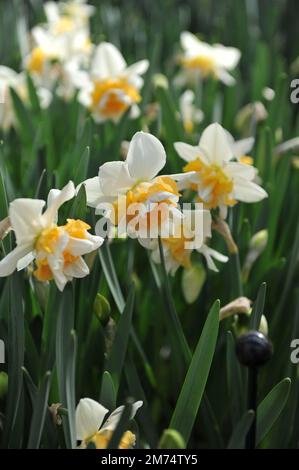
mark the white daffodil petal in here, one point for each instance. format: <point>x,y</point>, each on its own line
<point>246,191</point>
<point>9,263</point>
<point>25,261</point>
<point>189,41</point>
<point>242,147</point>
<point>93,191</point>
<point>146,156</point>
<point>55,199</point>
<point>89,418</point>
<point>77,269</point>
<point>107,62</point>
<point>113,420</point>
<point>139,68</point>
<point>227,57</point>
<point>25,217</point>
<point>114,178</point>
<point>186,151</point>
<point>215,143</point>
<point>236,170</point>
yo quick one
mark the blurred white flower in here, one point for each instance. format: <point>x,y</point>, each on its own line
<point>130,194</point>
<point>112,87</point>
<point>190,115</point>
<point>218,181</point>
<point>209,60</point>
<point>56,250</point>
<point>11,79</point>
<point>90,428</point>
<point>68,15</point>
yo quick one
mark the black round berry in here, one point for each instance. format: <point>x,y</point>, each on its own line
<point>253,349</point>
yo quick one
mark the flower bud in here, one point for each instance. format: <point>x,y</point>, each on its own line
<point>193,280</point>
<point>171,439</point>
<point>160,80</point>
<point>102,309</point>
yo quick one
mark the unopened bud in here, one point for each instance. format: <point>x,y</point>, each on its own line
<point>171,439</point>
<point>160,80</point>
<point>193,280</point>
<point>102,309</point>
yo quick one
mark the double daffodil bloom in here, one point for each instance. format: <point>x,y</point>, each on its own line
<point>131,195</point>
<point>218,180</point>
<point>242,148</point>
<point>56,250</point>
<point>90,428</point>
<point>184,240</point>
<point>112,87</point>
<point>207,60</point>
<point>68,15</point>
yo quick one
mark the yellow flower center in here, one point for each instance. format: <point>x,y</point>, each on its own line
<point>36,60</point>
<point>108,97</point>
<point>214,178</point>
<point>205,64</point>
<point>188,126</point>
<point>64,25</point>
<point>142,192</point>
<point>178,251</point>
<point>246,159</point>
<point>47,242</point>
<point>101,440</point>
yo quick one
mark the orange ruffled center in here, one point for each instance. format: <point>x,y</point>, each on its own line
<point>113,97</point>
<point>101,440</point>
<point>48,242</point>
<point>214,178</point>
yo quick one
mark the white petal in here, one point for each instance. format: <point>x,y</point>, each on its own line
<point>189,41</point>
<point>81,246</point>
<point>186,151</point>
<point>215,143</point>
<point>246,191</point>
<point>243,147</point>
<point>115,178</point>
<point>93,191</point>
<point>9,263</point>
<point>89,416</point>
<point>146,156</point>
<point>25,217</point>
<point>139,68</point>
<point>108,61</point>
<point>235,170</point>
<point>225,77</point>
<point>209,254</point>
<point>55,199</point>
<point>114,418</point>
<point>78,269</point>
<point>25,261</point>
<point>227,57</point>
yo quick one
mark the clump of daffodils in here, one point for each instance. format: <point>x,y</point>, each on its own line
<point>61,47</point>
<point>112,87</point>
<point>205,60</point>
<point>91,428</point>
<point>55,251</point>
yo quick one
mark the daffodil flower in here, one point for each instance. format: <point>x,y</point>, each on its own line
<point>130,191</point>
<point>65,16</point>
<point>190,115</point>
<point>90,428</point>
<point>11,79</point>
<point>218,180</point>
<point>113,87</point>
<point>216,60</point>
<point>56,250</point>
<point>241,148</point>
<point>178,247</point>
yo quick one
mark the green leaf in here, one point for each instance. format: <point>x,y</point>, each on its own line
<point>34,99</point>
<point>16,337</point>
<point>193,388</point>
<point>258,308</point>
<point>271,407</point>
<point>237,440</point>
<point>65,363</point>
<point>23,117</point>
<point>82,168</point>
<point>234,380</point>
<point>108,392</point>
<point>39,413</point>
<point>119,348</point>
